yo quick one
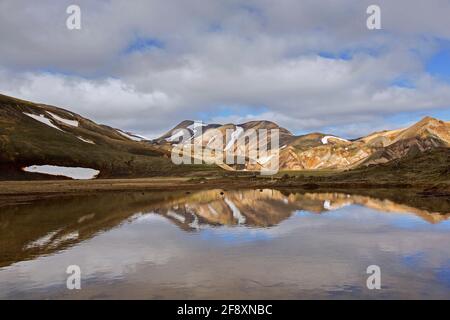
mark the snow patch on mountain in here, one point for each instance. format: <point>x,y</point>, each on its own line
<point>86,140</point>
<point>176,136</point>
<point>325,139</point>
<point>234,136</point>
<point>42,119</point>
<point>72,123</point>
<point>139,136</point>
<point>196,126</point>
<point>129,136</point>
<point>76,173</point>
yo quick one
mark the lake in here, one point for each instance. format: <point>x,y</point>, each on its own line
<point>227,244</point>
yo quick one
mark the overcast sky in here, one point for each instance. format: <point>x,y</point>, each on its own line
<point>145,65</point>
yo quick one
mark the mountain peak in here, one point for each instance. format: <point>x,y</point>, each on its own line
<point>263,124</point>
<point>426,122</point>
<point>184,123</point>
<point>259,122</point>
<point>428,119</point>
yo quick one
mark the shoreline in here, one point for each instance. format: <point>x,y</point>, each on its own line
<point>20,191</point>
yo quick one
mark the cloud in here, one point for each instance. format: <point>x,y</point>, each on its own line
<point>111,100</point>
<point>307,66</point>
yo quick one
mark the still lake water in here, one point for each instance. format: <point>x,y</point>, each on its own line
<point>243,244</point>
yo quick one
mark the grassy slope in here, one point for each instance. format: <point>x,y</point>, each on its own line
<point>428,168</point>
<point>24,141</point>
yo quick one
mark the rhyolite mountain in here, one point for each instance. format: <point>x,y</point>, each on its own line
<point>39,134</point>
<point>318,150</point>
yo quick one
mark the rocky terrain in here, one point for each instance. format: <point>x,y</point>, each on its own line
<point>316,150</point>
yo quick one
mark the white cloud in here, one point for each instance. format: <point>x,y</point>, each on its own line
<point>255,54</point>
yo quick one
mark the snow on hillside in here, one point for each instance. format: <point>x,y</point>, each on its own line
<point>325,139</point>
<point>42,119</point>
<point>234,136</point>
<point>72,123</point>
<point>86,140</point>
<point>76,173</point>
<point>179,133</point>
<point>141,137</point>
<point>195,127</point>
<point>131,137</point>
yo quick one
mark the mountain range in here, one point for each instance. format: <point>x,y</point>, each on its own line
<point>319,150</point>
<point>33,134</point>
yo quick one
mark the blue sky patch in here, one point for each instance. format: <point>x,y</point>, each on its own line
<point>231,110</point>
<point>438,65</point>
<point>142,44</point>
<point>403,82</point>
<point>345,55</point>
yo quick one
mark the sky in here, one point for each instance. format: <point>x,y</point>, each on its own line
<point>145,65</point>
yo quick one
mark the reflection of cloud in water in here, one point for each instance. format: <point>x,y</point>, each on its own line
<point>283,247</point>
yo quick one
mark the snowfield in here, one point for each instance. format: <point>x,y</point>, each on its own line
<point>196,127</point>
<point>76,173</point>
<point>86,140</point>
<point>72,123</point>
<point>179,133</point>
<point>325,139</point>
<point>134,138</point>
<point>42,119</point>
<point>141,137</point>
<point>234,136</point>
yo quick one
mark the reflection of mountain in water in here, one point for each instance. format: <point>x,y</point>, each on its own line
<point>45,227</point>
<point>266,208</point>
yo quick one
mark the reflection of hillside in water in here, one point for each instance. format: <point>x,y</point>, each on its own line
<point>48,226</point>
<point>266,208</point>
